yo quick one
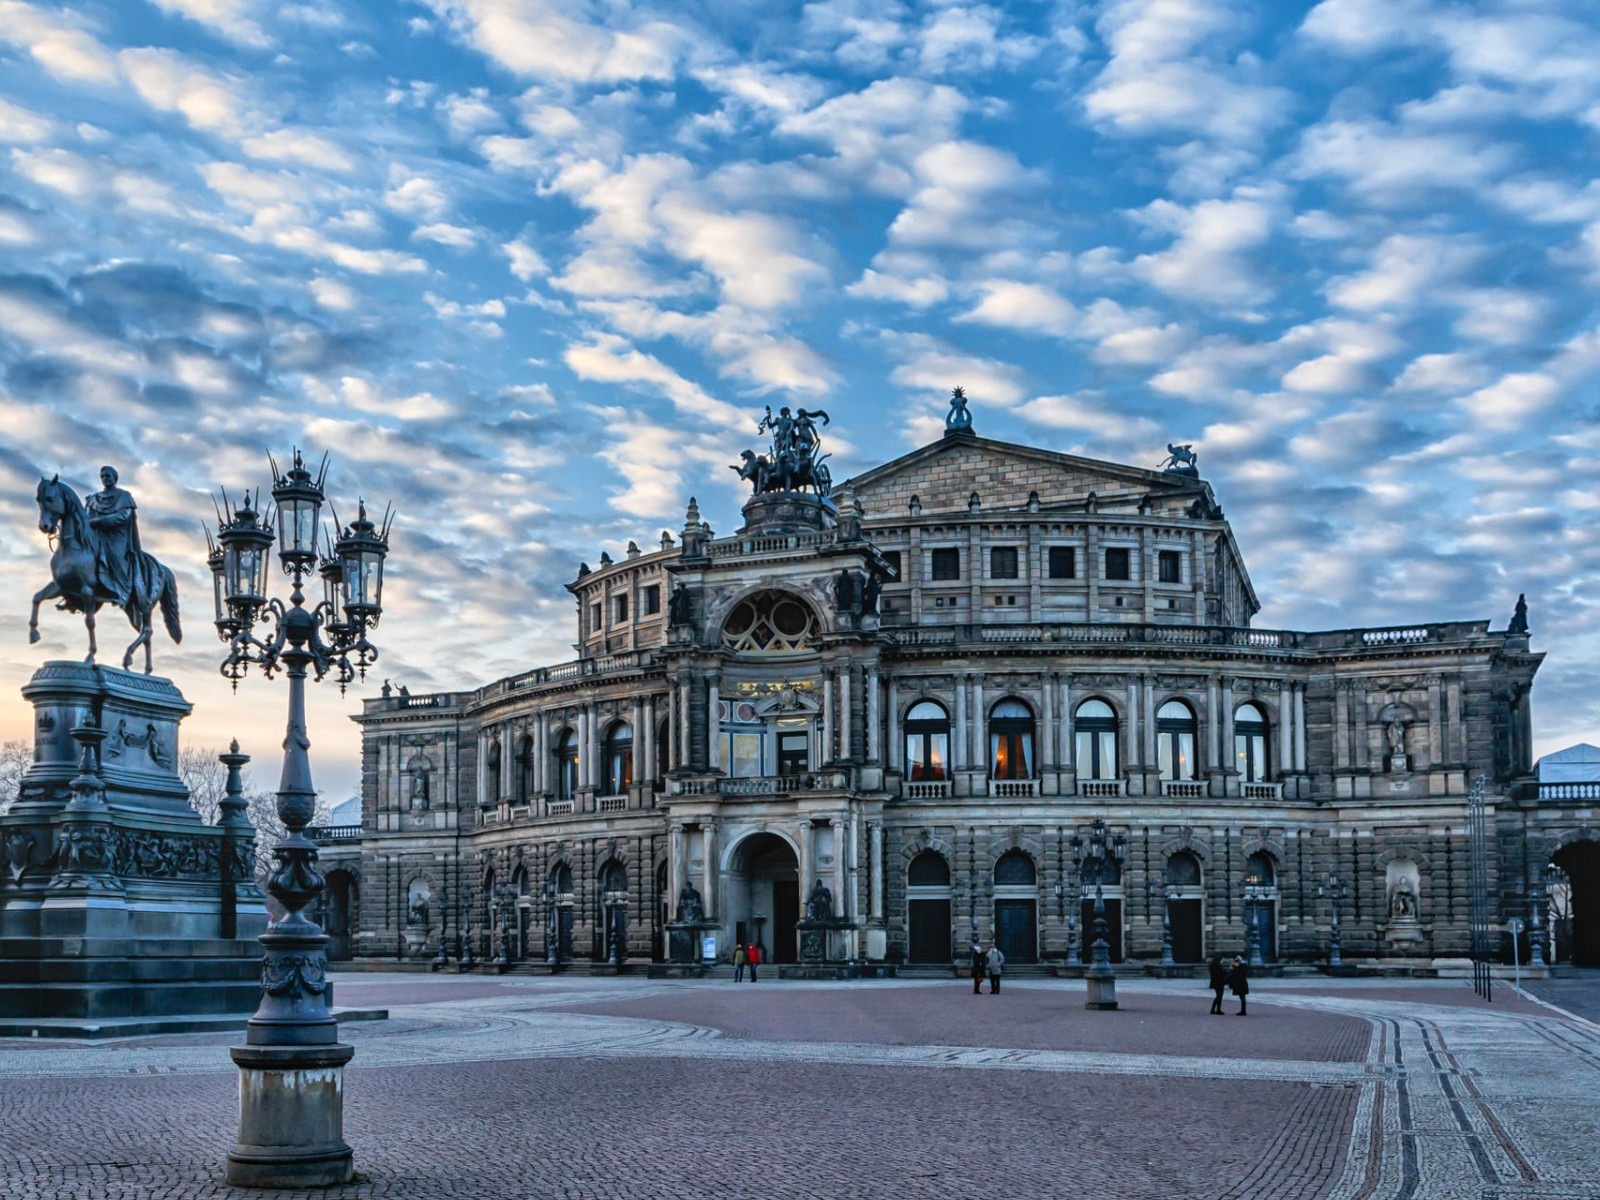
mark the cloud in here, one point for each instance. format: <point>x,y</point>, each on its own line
<point>1211,256</point>
<point>567,42</point>
<point>60,42</point>
<point>230,18</point>
<point>457,237</point>
<point>21,126</point>
<point>169,82</point>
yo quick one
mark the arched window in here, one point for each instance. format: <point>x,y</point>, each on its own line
<point>1261,870</point>
<point>525,768</point>
<point>1250,743</point>
<point>613,877</point>
<point>519,881</point>
<point>770,622</point>
<point>1015,869</point>
<point>1183,870</point>
<point>618,766</point>
<point>1011,740</point>
<point>1175,727</point>
<point>928,869</point>
<point>927,742</point>
<point>1095,724</point>
<point>561,876</point>
<point>492,773</point>
<point>567,765</point>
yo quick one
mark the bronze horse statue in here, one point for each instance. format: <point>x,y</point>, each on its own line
<point>75,575</point>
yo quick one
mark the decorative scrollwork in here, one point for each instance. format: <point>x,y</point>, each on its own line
<point>294,975</point>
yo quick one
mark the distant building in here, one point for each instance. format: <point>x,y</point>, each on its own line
<point>982,684</point>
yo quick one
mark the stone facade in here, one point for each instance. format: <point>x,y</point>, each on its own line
<point>986,682</point>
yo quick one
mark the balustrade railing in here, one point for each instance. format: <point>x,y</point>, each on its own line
<point>1013,789</point>
<point>926,789</point>
<point>323,834</point>
<point>612,803</point>
<point>1569,791</point>
<point>1262,791</point>
<point>1101,788</point>
<point>1183,789</point>
<point>761,785</point>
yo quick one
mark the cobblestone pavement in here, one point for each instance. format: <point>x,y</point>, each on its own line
<point>622,1088</point>
<point>1576,989</point>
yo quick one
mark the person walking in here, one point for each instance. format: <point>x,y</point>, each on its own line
<point>1239,982</point>
<point>996,963</point>
<point>980,967</point>
<point>738,963</point>
<point>753,957</point>
<point>1219,981</point>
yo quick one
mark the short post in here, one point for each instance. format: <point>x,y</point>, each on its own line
<point>1253,896</point>
<point>1515,927</point>
<point>238,839</point>
<point>1100,978</point>
<point>1335,894</point>
<point>1536,902</point>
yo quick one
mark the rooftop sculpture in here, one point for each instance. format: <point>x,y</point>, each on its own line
<point>793,463</point>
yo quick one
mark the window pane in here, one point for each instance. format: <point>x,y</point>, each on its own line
<point>746,759</point>
<point>1185,764</point>
<point>1170,566</point>
<point>1063,562</point>
<point>1117,563</point>
<point>946,563</point>
<point>1108,755</point>
<point>1088,768</point>
<point>1003,562</point>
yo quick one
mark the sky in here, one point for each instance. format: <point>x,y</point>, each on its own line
<point>531,269</point>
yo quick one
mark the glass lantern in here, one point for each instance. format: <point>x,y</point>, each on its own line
<point>226,625</point>
<point>246,543</point>
<point>299,501</point>
<point>361,552</point>
<point>332,572</point>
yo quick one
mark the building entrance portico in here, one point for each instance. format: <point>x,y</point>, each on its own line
<point>763,895</point>
<point>1580,861</point>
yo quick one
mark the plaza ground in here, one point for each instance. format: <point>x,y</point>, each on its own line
<point>619,1088</point>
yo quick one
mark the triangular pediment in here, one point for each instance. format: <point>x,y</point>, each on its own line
<point>944,475</point>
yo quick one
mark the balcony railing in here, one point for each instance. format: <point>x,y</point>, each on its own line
<point>761,785</point>
<point>1183,789</point>
<point>324,834</point>
<point>926,789</point>
<point>1013,789</point>
<point>1144,633</point>
<point>557,808</point>
<point>1569,791</point>
<point>770,546</point>
<point>1262,791</point>
<point>612,803</point>
<point>1100,788</point>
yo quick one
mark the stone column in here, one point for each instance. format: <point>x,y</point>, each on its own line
<point>959,735</point>
<point>483,767</point>
<point>647,740</point>
<point>841,898</point>
<point>1067,750</point>
<point>874,716</point>
<point>895,747</point>
<point>508,762</point>
<point>847,746</point>
<point>684,756</point>
<point>807,859</point>
<point>708,866</point>
<point>676,865</point>
<point>1047,734</point>
<point>1133,743</point>
<point>713,724</point>
<point>1300,727</point>
<point>875,893</point>
<point>541,753</point>
<point>1285,727</point>
<point>827,723</point>
<point>1214,725</point>
<point>980,754</point>
<point>1148,697</point>
<point>1227,723</point>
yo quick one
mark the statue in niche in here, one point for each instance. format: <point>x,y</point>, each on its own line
<point>419,791</point>
<point>1396,731</point>
<point>418,913</point>
<point>691,908</point>
<point>819,904</point>
<point>1403,901</point>
<point>678,606</point>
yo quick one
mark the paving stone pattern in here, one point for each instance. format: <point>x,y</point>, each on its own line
<point>689,1089</point>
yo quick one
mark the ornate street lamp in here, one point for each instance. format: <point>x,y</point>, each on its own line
<point>291,1090</point>
<point>552,935</point>
<point>1536,904</point>
<point>1335,893</point>
<point>1168,896</point>
<point>1254,896</point>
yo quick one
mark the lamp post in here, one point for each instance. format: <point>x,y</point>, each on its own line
<point>551,935</point>
<point>1254,894</point>
<point>1335,893</point>
<point>1536,904</point>
<point>1074,903</point>
<point>1168,896</point>
<point>291,1098</point>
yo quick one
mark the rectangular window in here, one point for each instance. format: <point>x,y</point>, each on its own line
<point>793,756</point>
<point>1063,562</point>
<point>741,754</point>
<point>946,563</point>
<point>892,557</point>
<point>652,600</point>
<point>596,623</point>
<point>1171,566</point>
<point>1117,563</point>
<point>622,609</point>
<point>1003,562</point>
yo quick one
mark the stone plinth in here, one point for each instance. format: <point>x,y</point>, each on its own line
<point>111,896</point>
<point>786,512</point>
<point>291,1117</point>
<point>684,937</point>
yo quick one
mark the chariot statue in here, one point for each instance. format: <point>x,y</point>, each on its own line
<point>794,462</point>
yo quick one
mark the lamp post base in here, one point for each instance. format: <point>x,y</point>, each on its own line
<point>291,1117</point>
<point>1102,991</point>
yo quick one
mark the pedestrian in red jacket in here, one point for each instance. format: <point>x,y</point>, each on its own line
<point>753,958</point>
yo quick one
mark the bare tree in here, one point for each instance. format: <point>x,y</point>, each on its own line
<point>207,780</point>
<point>15,758</point>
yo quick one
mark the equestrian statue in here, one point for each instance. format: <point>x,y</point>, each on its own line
<point>793,464</point>
<point>97,559</point>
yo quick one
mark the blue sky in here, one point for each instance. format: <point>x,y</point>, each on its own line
<point>530,269</point>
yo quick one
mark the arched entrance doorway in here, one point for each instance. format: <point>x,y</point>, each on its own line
<point>1016,907</point>
<point>763,894</point>
<point>928,908</point>
<point>1580,863</point>
<point>1185,903</point>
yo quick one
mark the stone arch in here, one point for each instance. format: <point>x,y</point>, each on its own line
<point>728,851</point>
<point>1402,850</point>
<point>767,627</point>
<point>1186,841</point>
<point>1032,846</point>
<point>912,847</point>
<point>1270,845</point>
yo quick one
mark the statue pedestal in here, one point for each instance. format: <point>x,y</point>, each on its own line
<point>1405,937</point>
<point>685,938</point>
<point>1102,991</point>
<point>786,512</point>
<point>819,940</point>
<point>118,910</point>
<point>291,1117</point>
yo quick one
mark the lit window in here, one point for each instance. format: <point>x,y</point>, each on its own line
<point>1095,732</point>
<point>1011,741</point>
<point>927,742</point>
<point>1175,729</point>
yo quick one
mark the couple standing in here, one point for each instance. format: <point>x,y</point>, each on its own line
<point>991,964</point>
<point>1235,977</point>
<point>744,956</point>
